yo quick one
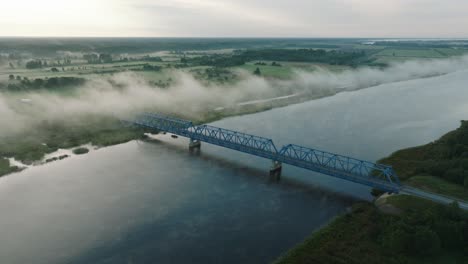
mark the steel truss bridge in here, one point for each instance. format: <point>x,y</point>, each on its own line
<point>378,176</point>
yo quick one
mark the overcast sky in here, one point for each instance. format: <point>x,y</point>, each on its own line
<point>235,18</point>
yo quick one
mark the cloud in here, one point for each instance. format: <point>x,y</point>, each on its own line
<point>234,18</point>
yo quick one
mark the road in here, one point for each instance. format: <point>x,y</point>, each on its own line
<point>438,198</point>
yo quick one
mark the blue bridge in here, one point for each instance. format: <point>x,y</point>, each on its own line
<point>378,176</point>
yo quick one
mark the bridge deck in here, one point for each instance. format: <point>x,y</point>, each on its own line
<point>364,172</point>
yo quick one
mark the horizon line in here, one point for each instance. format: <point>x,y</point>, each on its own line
<point>237,37</point>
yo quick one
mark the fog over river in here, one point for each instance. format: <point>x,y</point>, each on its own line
<point>156,203</point>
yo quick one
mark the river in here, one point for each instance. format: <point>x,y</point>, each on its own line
<point>157,203</point>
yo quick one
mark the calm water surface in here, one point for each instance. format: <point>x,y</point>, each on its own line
<point>156,203</point>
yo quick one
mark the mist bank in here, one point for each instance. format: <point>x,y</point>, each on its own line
<point>125,94</point>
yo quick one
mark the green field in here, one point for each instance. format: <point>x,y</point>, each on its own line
<point>452,51</point>
<point>413,53</point>
<point>269,71</point>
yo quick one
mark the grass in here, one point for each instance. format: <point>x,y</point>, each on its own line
<point>414,53</point>
<point>438,185</point>
<point>286,71</point>
<point>50,136</point>
<point>407,202</point>
<point>269,71</point>
<point>73,71</point>
<point>452,51</point>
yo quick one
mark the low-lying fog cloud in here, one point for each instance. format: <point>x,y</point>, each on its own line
<point>191,97</point>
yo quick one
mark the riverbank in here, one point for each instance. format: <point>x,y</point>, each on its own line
<point>106,131</point>
<point>440,166</point>
<point>401,228</point>
<point>53,140</point>
<point>422,232</point>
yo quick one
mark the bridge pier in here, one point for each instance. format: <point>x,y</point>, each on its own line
<point>194,145</point>
<point>275,171</point>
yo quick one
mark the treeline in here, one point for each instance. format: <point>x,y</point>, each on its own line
<point>214,60</point>
<point>93,58</point>
<point>333,57</point>
<point>148,67</point>
<point>425,229</point>
<point>50,46</point>
<point>37,63</point>
<point>421,44</point>
<point>19,84</point>
<point>446,158</point>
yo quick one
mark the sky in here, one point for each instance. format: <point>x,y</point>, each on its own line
<point>235,18</point>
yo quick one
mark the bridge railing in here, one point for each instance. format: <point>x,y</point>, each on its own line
<point>235,140</point>
<point>163,123</point>
<point>334,163</point>
<point>360,171</point>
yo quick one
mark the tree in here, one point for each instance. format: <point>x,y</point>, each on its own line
<point>275,64</point>
<point>455,175</point>
<point>91,58</point>
<point>11,77</point>
<point>425,241</point>
<point>257,72</point>
<point>450,233</point>
<point>105,58</point>
<point>34,64</point>
<point>54,69</point>
<point>397,240</point>
<point>18,77</point>
<point>37,83</point>
<point>453,211</point>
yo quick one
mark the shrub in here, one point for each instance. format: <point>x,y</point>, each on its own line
<point>79,151</point>
<point>425,241</point>
<point>455,175</point>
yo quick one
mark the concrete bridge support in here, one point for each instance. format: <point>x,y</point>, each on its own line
<point>275,171</point>
<point>194,145</point>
